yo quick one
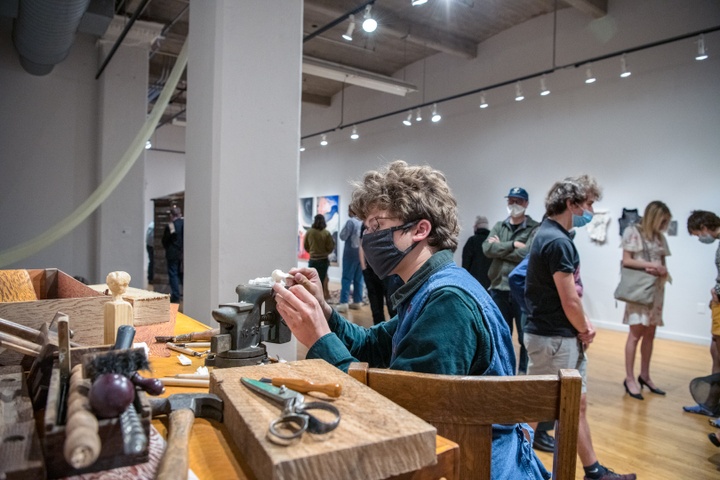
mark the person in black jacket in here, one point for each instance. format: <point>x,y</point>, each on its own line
<point>473,257</point>
<point>172,241</point>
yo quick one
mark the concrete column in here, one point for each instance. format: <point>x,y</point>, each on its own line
<point>243,129</point>
<point>122,104</point>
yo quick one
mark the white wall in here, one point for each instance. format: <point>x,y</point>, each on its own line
<point>651,136</point>
<point>48,151</point>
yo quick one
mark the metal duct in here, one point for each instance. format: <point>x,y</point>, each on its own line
<point>44,32</point>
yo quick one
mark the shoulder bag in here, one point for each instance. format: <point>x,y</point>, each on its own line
<point>637,286</point>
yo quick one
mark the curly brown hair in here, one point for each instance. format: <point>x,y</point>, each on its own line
<point>410,193</point>
<point>576,189</point>
<point>702,218</point>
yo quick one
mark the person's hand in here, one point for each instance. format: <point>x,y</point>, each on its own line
<point>308,278</point>
<point>657,270</point>
<point>302,312</point>
<point>518,245</point>
<point>493,239</point>
<point>587,336</point>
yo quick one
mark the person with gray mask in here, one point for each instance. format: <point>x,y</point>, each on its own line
<point>706,226</point>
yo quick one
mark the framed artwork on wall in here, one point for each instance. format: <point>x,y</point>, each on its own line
<point>305,219</point>
<point>308,207</point>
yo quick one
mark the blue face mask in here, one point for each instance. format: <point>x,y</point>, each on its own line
<point>581,221</point>
<point>380,251</point>
<point>706,238</point>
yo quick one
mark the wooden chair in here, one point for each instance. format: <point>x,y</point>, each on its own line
<point>463,409</point>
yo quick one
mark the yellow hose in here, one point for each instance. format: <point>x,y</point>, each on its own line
<point>66,225</point>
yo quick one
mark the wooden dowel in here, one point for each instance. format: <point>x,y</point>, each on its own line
<point>19,345</point>
<point>184,382</point>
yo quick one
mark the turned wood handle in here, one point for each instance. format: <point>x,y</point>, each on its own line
<point>174,464</point>
<point>304,386</point>
<point>82,446</point>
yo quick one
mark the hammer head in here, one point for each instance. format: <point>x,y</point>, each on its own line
<point>203,405</point>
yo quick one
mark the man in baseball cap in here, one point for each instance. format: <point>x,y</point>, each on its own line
<point>506,245</point>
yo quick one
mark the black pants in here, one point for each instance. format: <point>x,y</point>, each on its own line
<point>151,263</point>
<point>376,294</point>
<point>321,266</point>
<point>510,310</point>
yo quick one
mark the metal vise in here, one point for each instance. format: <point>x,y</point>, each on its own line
<point>244,326</point>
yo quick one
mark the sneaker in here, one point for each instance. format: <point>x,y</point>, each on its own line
<point>341,307</point>
<point>544,441</point>
<point>610,475</point>
<point>699,409</point>
<point>356,306</point>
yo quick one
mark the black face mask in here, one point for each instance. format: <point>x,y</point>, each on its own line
<point>380,251</point>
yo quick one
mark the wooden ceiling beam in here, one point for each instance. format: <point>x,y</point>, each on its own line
<point>596,8</point>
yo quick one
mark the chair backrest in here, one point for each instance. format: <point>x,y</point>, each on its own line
<point>464,408</point>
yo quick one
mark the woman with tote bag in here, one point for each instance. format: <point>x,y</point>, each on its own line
<point>645,248</point>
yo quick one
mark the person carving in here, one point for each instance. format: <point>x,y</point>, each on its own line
<point>446,323</point>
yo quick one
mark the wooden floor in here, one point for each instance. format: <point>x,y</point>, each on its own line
<point>654,437</point>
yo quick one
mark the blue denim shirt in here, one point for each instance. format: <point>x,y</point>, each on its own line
<point>477,334</point>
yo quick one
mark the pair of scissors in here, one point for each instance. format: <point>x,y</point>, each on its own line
<point>295,417</point>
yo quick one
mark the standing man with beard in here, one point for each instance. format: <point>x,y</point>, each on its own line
<point>446,322</point>
<point>507,246</point>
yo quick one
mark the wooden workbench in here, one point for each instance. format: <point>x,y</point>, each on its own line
<point>213,454</point>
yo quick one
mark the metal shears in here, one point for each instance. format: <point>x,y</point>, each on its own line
<point>295,418</point>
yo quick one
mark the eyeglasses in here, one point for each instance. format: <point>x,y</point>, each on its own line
<point>373,224</point>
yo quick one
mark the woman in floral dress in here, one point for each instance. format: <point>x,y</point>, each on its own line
<point>640,243</point>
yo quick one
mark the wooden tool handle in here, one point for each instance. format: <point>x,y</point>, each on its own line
<point>19,345</point>
<point>304,386</point>
<point>197,336</point>
<point>82,447</point>
<point>174,463</point>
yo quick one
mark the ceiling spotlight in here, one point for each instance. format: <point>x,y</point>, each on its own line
<point>415,3</point>
<point>702,54</point>
<point>148,145</point>
<point>624,72</point>
<point>589,77</point>
<point>369,24</point>
<point>483,102</point>
<point>302,147</point>
<point>519,97</point>
<point>418,115</point>
<point>323,140</point>
<point>348,34</point>
<point>436,117</point>
<point>354,135</point>
<point>408,121</point>
<point>544,90</point>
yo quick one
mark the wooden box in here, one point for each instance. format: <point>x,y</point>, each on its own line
<point>375,439</point>
<point>58,291</point>
<point>110,432</point>
<point>148,307</point>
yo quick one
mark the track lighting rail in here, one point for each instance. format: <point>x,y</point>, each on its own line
<point>485,88</point>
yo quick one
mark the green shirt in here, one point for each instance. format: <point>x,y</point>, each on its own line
<point>504,255</point>
<point>437,343</point>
